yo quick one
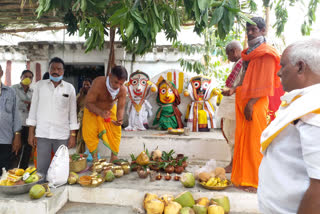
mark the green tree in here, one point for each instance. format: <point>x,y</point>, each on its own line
<point>139,21</point>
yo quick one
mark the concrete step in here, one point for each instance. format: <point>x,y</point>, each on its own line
<point>198,145</point>
<point>125,194</point>
<point>76,208</point>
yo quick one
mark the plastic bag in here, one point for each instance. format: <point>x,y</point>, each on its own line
<point>209,168</point>
<point>58,172</point>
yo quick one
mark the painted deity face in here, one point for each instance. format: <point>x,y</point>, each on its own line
<point>139,83</point>
<point>166,95</point>
<point>201,85</point>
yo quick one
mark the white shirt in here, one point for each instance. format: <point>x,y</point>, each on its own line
<point>53,110</point>
<point>290,160</point>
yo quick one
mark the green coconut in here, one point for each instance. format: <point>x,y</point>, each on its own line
<point>37,191</point>
<point>187,179</point>
<point>222,201</point>
<point>186,210</point>
<point>185,199</point>
<point>200,209</point>
<point>109,176</point>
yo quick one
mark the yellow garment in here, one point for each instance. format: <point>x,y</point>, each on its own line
<point>202,117</point>
<point>94,128</point>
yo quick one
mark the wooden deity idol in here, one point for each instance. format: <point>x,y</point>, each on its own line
<point>139,89</point>
<point>200,113</point>
<point>168,114</point>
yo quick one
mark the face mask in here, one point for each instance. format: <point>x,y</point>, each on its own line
<point>112,91</point>
<point>26,81</point>
<point>55,79</point>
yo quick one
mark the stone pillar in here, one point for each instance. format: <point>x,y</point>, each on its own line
<point>38,72</point>
<point>7,80</point>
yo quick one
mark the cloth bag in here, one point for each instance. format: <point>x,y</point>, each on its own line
<point>58,172</point>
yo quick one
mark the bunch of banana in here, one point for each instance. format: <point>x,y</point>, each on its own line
<point>215,182</point>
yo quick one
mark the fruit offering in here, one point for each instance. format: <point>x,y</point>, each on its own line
<point>216,182</point>
<point>20,176</point>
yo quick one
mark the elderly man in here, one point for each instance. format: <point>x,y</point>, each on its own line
<point>258,82</point>
<point>24,95</point>
<point>226,110</point>
<point>10,125</point>
<point>289,174</point>
<point>54,112</point>
<point>103,115</point>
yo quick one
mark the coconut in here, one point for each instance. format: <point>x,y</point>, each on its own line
<point>109,176</point>
<point>185,199</point>
<point>118,173</point>
<point>73,178</point>
<point>154,206</point>
<point>204,201</point>
<point>200,209</point>
<point>172,208</point>
<point>186,210</point>
<point>37,191</point>
<point>222,201</point>
<point>215,209</point>
<point>148,197</point>
<point>156,155</point>
<point>204,176</point>
<point>187,179</point>
<point>220,173</point>
<point>166,199</point>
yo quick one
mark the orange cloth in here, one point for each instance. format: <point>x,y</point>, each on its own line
<point>260,82</point>
<point>261,76</point>
<point>247,156</point>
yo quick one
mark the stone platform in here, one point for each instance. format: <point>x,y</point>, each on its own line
<point>125,195</point>
<point>197,146</point>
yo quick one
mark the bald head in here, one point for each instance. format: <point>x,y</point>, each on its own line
<point>300,65</point>
<point>233,50</point>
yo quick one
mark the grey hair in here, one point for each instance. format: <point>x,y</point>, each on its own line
<point>307,51</point>
<point>233,45</point>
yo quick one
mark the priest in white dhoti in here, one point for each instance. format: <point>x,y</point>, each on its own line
<point>289,174</point>
<point>139,109</point>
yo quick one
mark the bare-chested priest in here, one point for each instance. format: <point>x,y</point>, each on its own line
<point>103,115</point>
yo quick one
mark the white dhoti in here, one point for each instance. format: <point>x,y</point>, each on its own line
<point>227,113</point>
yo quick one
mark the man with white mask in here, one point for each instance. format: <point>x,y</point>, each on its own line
<point>103,113</point>
<point>53,115</point>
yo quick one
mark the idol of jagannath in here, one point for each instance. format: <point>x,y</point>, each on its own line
<point>139,109</point>
<point>168,114</point>
<point>200,112</point>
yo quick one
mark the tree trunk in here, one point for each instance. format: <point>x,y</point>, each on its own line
<point>267,19</point>
<point>111,62</point>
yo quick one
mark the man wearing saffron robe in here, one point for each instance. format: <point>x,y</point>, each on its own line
<point>103,115</point>
<point>259,80</point>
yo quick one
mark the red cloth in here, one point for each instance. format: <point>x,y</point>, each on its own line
<point>234,73</point>
<point>274,102</point>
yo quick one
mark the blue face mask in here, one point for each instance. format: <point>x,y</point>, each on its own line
<point>55,79</point>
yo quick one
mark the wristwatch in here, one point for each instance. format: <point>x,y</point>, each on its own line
<point>73,134</point>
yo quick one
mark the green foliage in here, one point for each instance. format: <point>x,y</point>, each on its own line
<point>139,21</point>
